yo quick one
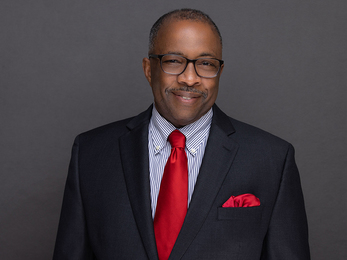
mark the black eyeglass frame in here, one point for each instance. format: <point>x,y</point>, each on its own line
<point>160,56</point>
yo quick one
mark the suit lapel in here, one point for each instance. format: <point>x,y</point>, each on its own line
<point>134,156</point>
<point>219,154</point>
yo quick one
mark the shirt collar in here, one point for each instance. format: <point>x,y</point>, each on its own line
<point>195,132</point>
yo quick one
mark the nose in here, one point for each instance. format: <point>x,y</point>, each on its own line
<point>188,76</point>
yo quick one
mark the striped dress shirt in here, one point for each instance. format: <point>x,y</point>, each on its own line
<point>159,150</point>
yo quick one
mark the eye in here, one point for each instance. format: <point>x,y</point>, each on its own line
<point>172,61</point>
<point>207,63</point>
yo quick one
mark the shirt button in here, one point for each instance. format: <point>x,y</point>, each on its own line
<point>193,150</point>
<point>157,148</point>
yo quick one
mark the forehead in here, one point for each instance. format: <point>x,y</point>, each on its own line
<point>188,38</point>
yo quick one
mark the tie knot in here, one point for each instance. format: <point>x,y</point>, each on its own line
<point>177,139</point>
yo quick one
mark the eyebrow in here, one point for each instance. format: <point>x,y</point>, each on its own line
<point>204,54</point>
<point>175,52</point>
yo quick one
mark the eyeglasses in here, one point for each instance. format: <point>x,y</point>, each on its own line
<point>176,64</point>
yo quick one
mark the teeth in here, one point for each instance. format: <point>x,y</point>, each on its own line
<point>187,98</point>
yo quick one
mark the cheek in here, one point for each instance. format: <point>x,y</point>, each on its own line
<point>161,82</point>
<point>158,89</point>
<point>212,89</point>
<point>155,81</point>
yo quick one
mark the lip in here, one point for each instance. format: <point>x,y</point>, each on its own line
<point>186,94</point>
<point>186,97</point>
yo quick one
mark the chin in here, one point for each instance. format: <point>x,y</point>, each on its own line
<point>183,121</point>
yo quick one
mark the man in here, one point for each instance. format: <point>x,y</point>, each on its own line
<point>239,196</point>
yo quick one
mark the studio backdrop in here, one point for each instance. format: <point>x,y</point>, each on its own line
<point>68,66</point>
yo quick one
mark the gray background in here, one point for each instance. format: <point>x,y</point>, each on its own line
<point>71,65</point>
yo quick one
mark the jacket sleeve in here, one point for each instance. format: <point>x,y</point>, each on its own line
<point>72,238</point>
<point>287,236</point>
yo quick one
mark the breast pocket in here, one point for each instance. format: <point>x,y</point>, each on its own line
<point>244,223</point>
<point>249,214</point>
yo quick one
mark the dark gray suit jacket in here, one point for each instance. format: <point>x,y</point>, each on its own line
<point>106,212</point>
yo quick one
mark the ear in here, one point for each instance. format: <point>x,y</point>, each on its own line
<point>146,65</point>
<point>221,69</point>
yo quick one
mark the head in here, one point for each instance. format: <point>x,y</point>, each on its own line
<point>183,98</point>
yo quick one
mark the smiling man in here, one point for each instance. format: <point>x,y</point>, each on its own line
<point>182,180</point>
<point>184,91</point>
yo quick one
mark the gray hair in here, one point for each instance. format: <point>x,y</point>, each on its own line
<point>181,14</point>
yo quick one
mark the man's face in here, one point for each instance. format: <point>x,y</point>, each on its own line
<point>183,99</point>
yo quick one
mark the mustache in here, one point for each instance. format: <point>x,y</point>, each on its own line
<point>187,89</point>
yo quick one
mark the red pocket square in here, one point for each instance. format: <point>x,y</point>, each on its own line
<point>243,200</point>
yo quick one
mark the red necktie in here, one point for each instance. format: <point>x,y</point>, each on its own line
<point>173,197</point>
